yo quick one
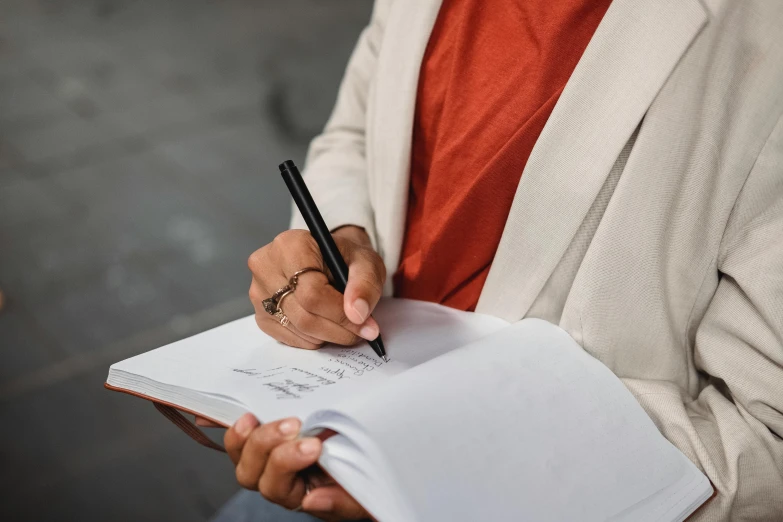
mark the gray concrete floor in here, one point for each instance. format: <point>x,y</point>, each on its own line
<point>138,152</point>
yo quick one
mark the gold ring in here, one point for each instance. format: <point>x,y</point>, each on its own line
<point>308,489</point>
<point>282,318</point>
<point>283,296</point>
<point>295,278</point>
<point>270,303</point>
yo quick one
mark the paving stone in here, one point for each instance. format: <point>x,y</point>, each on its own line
<point>24,346</point>
<point>100,86</point>
<point>223,279</point>
<point>174,115</point>
<point>138,204</point>
<point>58,45</point>
<point>261,199</point>
<point>125,213</point>
<point>91,454</point>
<point>120,302</point>
<point>63,137</point>
<point>45,258</point>
<point>8,175</point>
<point>160,485</point>
<point>24,201</point>
<point>94,277</point>
<point>23,103</point>
<point>237,167</point>
<point>230,151</point>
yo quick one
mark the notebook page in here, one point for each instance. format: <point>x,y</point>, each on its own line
<point>521,425</point>
<point>239,362</point>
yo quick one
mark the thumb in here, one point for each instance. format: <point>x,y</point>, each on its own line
<point>366,275</point>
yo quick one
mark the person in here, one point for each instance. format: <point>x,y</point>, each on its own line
<point>613,168</point>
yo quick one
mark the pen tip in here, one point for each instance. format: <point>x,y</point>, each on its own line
<point>385,359</point>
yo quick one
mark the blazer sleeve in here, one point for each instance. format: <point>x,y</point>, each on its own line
<point>336,165</point>
<point>733,429</point>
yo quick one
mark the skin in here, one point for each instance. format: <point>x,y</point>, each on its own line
<point>317,311</point>
<point>269,458</point>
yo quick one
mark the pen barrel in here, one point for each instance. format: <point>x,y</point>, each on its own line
<point>315,222</point>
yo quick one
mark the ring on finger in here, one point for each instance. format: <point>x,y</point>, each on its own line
<point>282,318</point>
<point>283,296</point>
<point>279,314</point>
<point>294,280</point>
<point>270,304</point>
<point>308,489</point>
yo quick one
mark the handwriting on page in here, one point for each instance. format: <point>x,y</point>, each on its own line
<point>287,382</point>
<point>357,363</point>
<point>290,382</point>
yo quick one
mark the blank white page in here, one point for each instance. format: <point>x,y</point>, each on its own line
<point>520,425</point>
<point>240,363</point>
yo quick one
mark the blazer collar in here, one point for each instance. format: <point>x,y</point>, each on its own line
<point>393,102</point>
<point>632,53</point>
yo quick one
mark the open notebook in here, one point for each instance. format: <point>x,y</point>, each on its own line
<point>472,419</point>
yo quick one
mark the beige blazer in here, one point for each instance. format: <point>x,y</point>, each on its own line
<point>648,222</point>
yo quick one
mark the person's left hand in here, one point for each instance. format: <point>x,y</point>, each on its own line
<point>268,459</point>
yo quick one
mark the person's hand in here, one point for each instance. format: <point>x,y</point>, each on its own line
<point>318,313</point>
<point>269,459</point>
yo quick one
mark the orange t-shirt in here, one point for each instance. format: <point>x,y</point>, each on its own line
<point>491,75</point>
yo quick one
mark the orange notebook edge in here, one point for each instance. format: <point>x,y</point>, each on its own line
<point>164,403</point>
<point>173,412</point>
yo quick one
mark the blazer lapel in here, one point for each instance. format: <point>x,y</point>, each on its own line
<point>407,32</point>
<point>630,56</point>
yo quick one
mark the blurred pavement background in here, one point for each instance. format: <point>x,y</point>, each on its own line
<point>139,144</point>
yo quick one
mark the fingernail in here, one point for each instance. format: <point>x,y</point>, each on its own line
<point>317,503</point>
<point>289,427</point>
<point>309,447</point>
<point>245,424</point>
<point>361,307</point>
<point>369,332</point>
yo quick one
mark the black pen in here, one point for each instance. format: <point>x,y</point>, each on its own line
<point>323,236</point>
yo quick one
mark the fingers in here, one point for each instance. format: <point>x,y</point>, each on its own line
<point>280,482</point>
<point>317,312</point>
<point>366,275</point>
<point>295,250</point>
<point>205,423</point>
<point>316,309</point>
<point>333,503</point>
<point>269,458</point>
<point>249,448</point>
<point>289,335</point>
<point>268,277</point>
<point>235,437</point>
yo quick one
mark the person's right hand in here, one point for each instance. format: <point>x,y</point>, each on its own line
<point>318,313</point>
